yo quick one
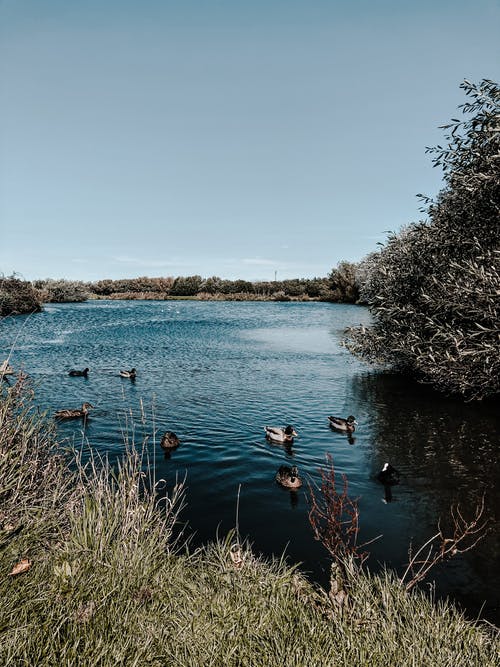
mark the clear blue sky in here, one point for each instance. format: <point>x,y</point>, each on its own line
<point>231,138</point>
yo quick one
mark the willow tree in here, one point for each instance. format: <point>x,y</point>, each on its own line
<point>434,287</point>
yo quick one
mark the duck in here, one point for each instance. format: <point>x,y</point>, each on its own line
<point>74,414</point>
<point>169,441</point>
<point>79,374</point>
<point>389,476</point>
<point>289,477</point>
<point>283,435</point>
<point>128,374</point>
<point>348,425</point>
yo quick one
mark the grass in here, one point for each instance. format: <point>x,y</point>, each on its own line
<point>111,584</point>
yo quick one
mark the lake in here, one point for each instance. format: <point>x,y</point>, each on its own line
<point>217,372</point>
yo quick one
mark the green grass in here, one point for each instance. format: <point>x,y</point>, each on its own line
<point>110,584</point>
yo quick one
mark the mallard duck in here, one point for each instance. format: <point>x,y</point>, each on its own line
<point>74,414</point>
<point>169,441</point>
<point>128,374</point>
<point>288,477</point>
<point>389,476</point>
<point>348,425</point>
<point>283,435</point>
<point>79,374</point>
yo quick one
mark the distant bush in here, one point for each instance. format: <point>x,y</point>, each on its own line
<point>214,287</point>
<point>343,283</point>
<point>186,286</point>
<point>132,285</point>
<point>18,297</point>
<point>62,291</point>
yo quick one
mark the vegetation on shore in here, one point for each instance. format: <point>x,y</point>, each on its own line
<point>18,297</point>
<point>341,285</point>
<point>434,287</point>
<point>91,572</point>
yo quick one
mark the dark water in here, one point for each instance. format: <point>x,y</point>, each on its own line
<point>216,373</point>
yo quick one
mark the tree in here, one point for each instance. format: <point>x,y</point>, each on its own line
<point>186,286</point>
<point>434,287</point>
<point>343,283</point>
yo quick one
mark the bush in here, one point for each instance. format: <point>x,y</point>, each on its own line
<point>62,291</point>
<point>343,283</point>
<point>188,286</point>
<point>18,297</point>
<point>433,289</point>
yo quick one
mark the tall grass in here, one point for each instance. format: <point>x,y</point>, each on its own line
<point>110,584</point>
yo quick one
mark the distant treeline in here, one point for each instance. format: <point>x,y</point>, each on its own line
<point>18,296</point>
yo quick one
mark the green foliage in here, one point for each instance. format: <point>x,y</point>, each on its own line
<point>434,288</point>
<point>186,286</point>
<point>344,283</point>
<point>18,297</point>
<point>140,286</point>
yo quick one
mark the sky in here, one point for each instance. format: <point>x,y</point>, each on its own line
<point>244,139</point>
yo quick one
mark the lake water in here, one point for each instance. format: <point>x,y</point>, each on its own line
<point>217,372</point>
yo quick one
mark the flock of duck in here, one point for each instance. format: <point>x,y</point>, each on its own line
<point>287,476</point>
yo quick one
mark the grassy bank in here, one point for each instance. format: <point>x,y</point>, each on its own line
<point>107,583</point>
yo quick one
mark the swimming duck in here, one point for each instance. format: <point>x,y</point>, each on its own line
<point>128,374</point>
<point>79,374</point>
<point>169,441</point>
<point>348,425</point>
<point>389,476</point>
<point>74,414</point>
<point>288,477</point>
<point>283,435</point>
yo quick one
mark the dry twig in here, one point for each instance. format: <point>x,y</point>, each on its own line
<point>438,548</point>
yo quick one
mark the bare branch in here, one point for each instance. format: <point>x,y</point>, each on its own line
<point>334,517</point>
<point>438,548</point>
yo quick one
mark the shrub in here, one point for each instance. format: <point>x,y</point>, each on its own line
<point>343,283</point>
<point>18,297</point>
<point>433,288</point>
<point>62,291</point>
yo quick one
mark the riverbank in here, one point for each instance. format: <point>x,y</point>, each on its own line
<point>20,296</point>
<point>107,580</point>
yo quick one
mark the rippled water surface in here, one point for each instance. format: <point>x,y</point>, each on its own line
<point>217,372</point>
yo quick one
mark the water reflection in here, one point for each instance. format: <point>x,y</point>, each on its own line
<point>446,452</point>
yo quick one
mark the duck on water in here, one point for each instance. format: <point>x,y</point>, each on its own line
<point>389,477</point>
<point>169,441</point>
<point>281,435</point>
<point>288,477</point>
<point>77,413</point>
<point>79,374</point>
<point>347,425</point>
<point>129,374</point>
